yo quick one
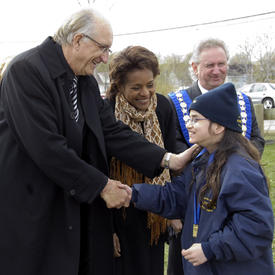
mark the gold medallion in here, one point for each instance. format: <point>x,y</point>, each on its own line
<point>195,230</point>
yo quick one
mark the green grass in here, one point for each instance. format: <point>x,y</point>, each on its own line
<point>268,163</point>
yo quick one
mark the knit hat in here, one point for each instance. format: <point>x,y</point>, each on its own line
<point>220,105</point>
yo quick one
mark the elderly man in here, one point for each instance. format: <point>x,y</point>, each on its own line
<point>209,64</point>
<point>56,134</point>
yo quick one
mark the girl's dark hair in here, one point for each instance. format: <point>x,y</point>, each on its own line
<point>130,59</point>
<point>231,142</point>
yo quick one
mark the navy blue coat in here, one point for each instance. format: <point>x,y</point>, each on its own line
<point>236,236</point>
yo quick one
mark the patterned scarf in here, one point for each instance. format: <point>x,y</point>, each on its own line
<point>151,131</point>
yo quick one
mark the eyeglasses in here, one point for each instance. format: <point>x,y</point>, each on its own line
<point>193,121</point>
<point>104,48</point>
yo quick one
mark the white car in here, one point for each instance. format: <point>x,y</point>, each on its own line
<point>260,93</point>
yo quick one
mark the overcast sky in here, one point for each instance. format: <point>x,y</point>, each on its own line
<point>26,23</point>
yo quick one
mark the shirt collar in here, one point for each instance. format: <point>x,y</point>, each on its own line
<point>203,90</point>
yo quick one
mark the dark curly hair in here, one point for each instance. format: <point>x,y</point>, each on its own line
<point>130,59</point>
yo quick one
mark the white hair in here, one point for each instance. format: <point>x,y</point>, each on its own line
<point>84,21</point>
<point>205,44</point>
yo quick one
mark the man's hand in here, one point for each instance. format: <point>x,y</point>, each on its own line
<point>116,194</point>
<point>194,254</point>
<point>179,161</point>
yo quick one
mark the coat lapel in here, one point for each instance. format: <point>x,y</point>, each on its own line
<point>89,104</point>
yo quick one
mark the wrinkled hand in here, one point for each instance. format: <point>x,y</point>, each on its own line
<point>194,254</point>
<point>116,194</point>
<point>176,225</point>
<point>116,246</point>
<point>179,161</point>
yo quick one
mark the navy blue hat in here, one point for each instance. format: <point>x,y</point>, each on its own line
<point>220,105</point>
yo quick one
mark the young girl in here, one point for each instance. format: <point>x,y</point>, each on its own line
<point>222,195</point>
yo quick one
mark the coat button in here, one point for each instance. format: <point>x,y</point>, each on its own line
<point>72,192</point>
<point>72,115</point>
<point>70,227</point>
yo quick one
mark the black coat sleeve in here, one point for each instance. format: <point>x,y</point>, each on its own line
<point>167,123</point>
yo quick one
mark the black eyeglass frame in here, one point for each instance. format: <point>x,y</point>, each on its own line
<point>104,48</point>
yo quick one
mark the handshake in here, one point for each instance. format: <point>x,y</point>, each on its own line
<point>116,194</point>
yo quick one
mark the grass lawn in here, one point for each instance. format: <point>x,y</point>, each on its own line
<point>268,163</point>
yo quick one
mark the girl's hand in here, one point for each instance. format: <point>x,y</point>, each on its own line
<point>175,224</point>
<point>194,254</point>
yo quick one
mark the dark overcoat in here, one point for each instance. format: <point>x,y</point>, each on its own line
<point>50,174</point>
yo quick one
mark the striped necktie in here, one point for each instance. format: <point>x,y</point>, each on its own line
<point>73,93</point>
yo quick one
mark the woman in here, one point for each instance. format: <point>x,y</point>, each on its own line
<point>222,195</point>
<point>139,236</point>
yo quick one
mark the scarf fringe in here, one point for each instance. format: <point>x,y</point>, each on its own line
<point>127,175</point>
<point>123,173</point>
<point>133,117</point>
<point>157,225</point>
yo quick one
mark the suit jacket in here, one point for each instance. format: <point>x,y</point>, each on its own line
<point>52,174</point>
<point>194,91</point>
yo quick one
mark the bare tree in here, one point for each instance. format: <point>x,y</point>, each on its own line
<point>246,56</point>
<point>174,73</point>
<point>265,56</point>
<point>88,1</point>
<point>256,60</point>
